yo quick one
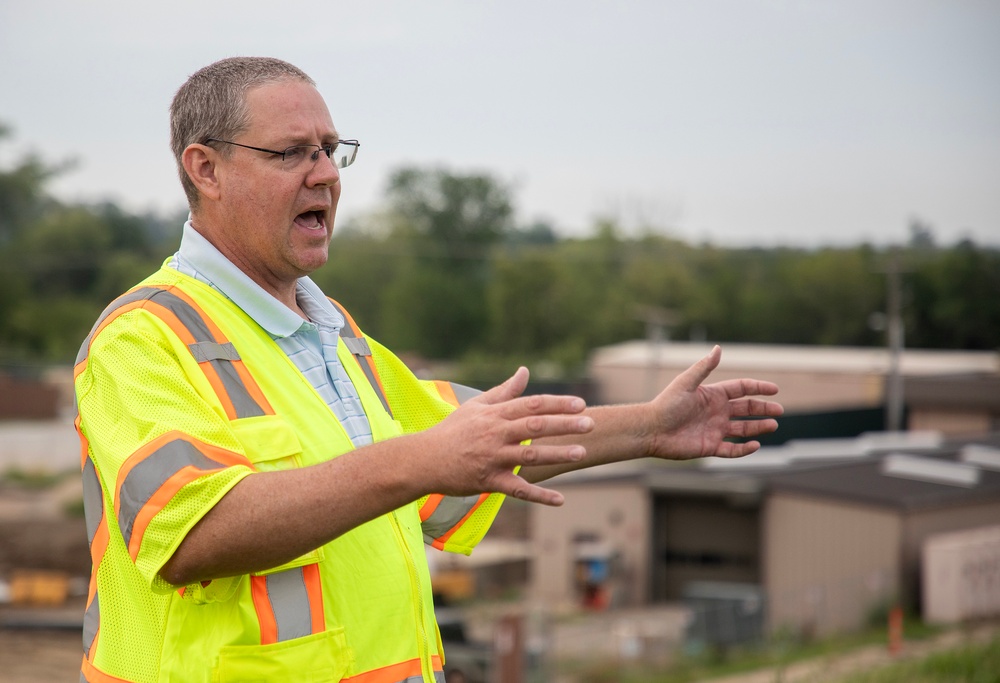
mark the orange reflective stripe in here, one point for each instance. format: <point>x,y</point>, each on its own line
<point>104,321</point>
<point>252,388</point>
<point>396,673</point>
<point>155,472</point>
<point>84,443</point>
<point>91,674</point>
<point>443,538</point>
<point>97,538</point>
<point>213,376</point>
<point>314,591</point>
<point>447,392</point>
<point>430,505</point>
<point>265,614</point>
<point>92,622</point>
<point>156,502</point>
<point>232,383</point>
<point>289,604</point>
<point>357,344</point>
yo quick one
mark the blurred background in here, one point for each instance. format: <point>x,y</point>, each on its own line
<point>600,191</point>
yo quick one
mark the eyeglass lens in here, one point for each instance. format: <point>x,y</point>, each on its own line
<point>342,155</point>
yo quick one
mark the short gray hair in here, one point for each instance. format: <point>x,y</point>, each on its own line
<point>212,104</point>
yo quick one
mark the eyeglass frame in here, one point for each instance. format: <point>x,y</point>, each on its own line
<point>313,157</point>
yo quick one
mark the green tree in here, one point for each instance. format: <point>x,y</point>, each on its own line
<point>447,224</point>
<point>62,263</point>
<point>953,299</point>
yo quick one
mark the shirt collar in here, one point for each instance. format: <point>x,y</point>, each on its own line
<point>266,311</point>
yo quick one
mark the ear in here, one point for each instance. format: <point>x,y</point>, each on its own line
<point>200,165</point>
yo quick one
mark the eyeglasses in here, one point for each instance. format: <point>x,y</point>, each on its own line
<point>299,157</point>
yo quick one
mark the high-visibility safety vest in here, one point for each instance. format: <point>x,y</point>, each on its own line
<point>180,395</point>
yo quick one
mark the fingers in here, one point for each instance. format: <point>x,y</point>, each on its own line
<point>515,486</point>
<point>749,428</point>
<point>729,449</point>
<point>754,407</point>
<point>532,455</point>
<point>738,388</point>
<point>537,426</point>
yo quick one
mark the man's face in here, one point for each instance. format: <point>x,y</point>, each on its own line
<point>276,224</point>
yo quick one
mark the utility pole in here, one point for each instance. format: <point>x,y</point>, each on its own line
<point>894,335</point>
<point>659,322</point>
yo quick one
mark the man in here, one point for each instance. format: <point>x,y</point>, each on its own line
<point>260,477</point>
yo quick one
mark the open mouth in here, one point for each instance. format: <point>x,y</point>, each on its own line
<point>312,220</point>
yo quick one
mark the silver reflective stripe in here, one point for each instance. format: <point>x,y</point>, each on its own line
<point>148,476</point>
<point>91,620</point>
<point>210,350</point>
<point>358,346</point>
<point>205,349</point>
<point>438,678</point>
<point>243,403</point>
<point>290,602</point>
<point>464,393</point>
<point>448,513</point>
<point>93,499</point>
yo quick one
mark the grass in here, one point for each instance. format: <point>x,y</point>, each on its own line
<point>777,652</point>
<point>977,663</point>
<point>31,480</point>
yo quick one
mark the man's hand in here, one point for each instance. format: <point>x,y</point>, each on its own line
<point>689,419</point>
<point>686,420</point>
<point>481,443</point>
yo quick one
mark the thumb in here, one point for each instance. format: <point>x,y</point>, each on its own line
<point>511,388</point>
<point>692,378</point>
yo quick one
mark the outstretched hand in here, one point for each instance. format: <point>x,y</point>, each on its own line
<point>691,419</point>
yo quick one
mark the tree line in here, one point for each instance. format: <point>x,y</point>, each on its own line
<point>443,270</point>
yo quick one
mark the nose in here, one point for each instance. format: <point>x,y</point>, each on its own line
<point>323,173</point>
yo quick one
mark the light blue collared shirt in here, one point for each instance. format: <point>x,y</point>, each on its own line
<point>310,344</point>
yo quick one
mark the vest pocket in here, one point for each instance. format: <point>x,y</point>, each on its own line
<point>319,658</point>
<point>272,445</point>
<point>269,442</point>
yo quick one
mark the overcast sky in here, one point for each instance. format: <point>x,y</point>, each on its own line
<point>740,122</point>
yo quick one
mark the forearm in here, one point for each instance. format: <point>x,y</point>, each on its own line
<point>621,432</point>
<point>270,518</point>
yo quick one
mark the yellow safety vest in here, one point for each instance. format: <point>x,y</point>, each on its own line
<point>180,396</point>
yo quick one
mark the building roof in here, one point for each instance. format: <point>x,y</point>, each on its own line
<point>790,357</point>
<point>906,470</point>
<point>871,482</point>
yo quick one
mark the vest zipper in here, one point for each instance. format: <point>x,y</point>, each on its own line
<point>427,667</point>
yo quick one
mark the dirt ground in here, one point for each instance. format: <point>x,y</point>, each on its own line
<point>40,656</point>
<point>42,531</point>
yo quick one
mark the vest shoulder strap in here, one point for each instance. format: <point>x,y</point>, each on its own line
<point>356,343</point>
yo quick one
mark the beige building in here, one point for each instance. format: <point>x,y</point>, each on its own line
<point>955,392</point>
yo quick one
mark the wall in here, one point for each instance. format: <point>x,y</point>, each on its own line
<point>961,573</point>
<point>621,384</point>
<point>950,422</point>
<point>920,526</point>
<point>702,538</point>
<point>616,513</point>
<point>827,565</point>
